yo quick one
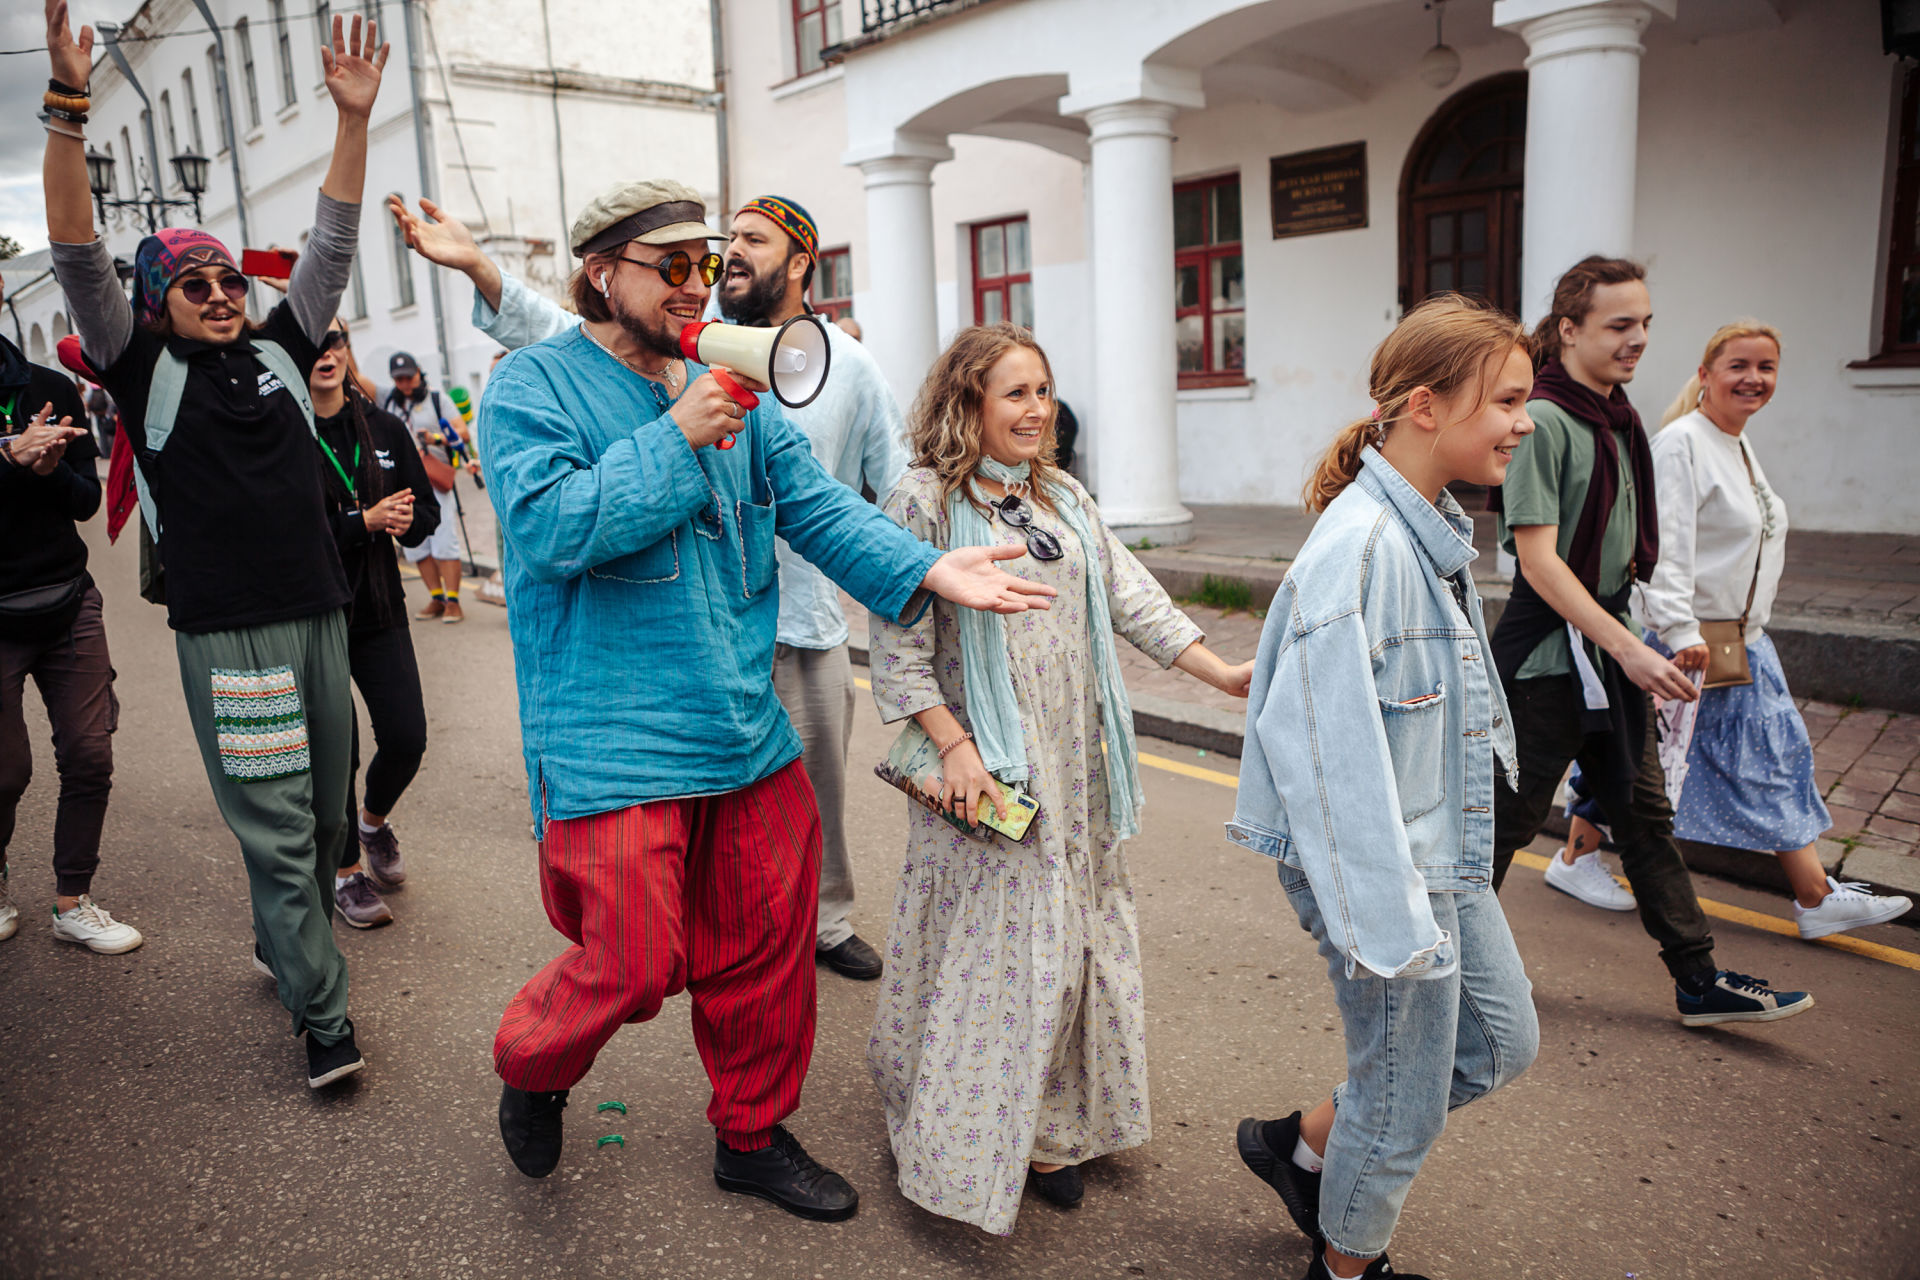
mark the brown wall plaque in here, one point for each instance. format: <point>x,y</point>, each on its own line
<point>1323,190</point>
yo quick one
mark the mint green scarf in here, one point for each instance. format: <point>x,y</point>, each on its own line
<point>983,655</point>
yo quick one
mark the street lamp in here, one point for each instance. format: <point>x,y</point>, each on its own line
<point>147,205</point>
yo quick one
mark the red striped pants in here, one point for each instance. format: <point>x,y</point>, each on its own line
<point>714,896</point>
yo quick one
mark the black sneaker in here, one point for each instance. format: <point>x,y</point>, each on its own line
<point>381,851</point>
<point>1378,1269</point>
<point>853,958</point>
<point>784,1173</point>
<point>1735,997</point>
<point>1266,1147</point>
<point>329,1062</point>
<point>1062,1187</point>
<point>530,1128</point>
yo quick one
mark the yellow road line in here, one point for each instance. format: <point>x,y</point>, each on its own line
<point>1719,910</point>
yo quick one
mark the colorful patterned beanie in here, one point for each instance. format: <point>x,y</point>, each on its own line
<point>162,258</point>
<point>790,218</point>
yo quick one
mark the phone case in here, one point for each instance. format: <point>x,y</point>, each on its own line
<point>265,262</point>
<point>914,760</point>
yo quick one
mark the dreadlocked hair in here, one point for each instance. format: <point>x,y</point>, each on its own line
<point>1445,345</point>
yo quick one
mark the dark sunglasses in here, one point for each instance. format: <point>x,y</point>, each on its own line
<point>197,289</point>
<point>335,339</point>
<point>1041,545</point>
<point>677,266</point>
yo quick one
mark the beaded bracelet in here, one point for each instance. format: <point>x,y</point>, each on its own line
<point>66,101</point>
<point>964,737</point>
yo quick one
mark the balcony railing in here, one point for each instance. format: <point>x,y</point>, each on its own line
<point>877,15</point>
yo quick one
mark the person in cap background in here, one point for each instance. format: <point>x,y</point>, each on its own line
<point>232,492</point>
<point>679,838</point>
<point>855,429</point>
<point>441,448</point>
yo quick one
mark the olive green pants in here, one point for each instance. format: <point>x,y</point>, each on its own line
<point>272,710</point>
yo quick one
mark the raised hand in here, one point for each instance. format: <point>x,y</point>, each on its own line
<point>353,66</point>
<point>72,59</point>
<point>438,237</point>
<point>969,576</point>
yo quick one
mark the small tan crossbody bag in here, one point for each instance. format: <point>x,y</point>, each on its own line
<point>1727,641</point>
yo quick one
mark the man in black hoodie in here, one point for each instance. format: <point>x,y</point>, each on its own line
<point>51,629</point>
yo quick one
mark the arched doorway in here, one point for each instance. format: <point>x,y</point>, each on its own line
<point>1460,196</point>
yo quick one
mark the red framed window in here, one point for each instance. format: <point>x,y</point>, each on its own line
<point>816,25</point>
<point>1002,272</point>
<point>833,284</point>
<point>1209,283</point>
<point>1900,334</point>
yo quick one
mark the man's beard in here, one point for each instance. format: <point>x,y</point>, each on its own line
<point>652,335</point>
<point>763,297</point>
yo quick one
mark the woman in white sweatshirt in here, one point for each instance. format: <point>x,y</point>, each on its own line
<point>1723,536</point>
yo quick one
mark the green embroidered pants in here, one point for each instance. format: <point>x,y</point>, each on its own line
<point>273,714</point>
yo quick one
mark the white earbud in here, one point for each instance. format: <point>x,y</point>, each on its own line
<point>603,283</point>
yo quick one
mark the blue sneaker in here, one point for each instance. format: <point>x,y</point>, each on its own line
<point>1735,997</point>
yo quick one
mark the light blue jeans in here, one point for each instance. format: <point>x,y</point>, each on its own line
<point>1416,1049</point>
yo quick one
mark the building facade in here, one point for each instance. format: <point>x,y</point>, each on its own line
<point>1212,211</point>
<point>512,116</point>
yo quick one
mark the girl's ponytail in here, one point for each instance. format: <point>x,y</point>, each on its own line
<point>1340,465</point>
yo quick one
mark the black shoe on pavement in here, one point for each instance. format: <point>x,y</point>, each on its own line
<point>1062,1187</point>
<point>1378,1269</point>
<point>530,1128</point>
<point>329,1062</point>
<point>1727,996</point>
<point>852,958</point>
<point>784,1173</point>
<point>1266,1147</point>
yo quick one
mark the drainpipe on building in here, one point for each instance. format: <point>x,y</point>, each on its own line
<point>225,103</point>
<point>720,106</point>
<point>110,33</point>
<point>427,187</point>
<point>559,150</point>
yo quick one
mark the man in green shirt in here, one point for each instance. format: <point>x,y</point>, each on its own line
<point>1577,511</point>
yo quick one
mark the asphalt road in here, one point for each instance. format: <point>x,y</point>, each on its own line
<point>154,1118</point>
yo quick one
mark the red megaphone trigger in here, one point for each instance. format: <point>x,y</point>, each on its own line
<point>690,348</point>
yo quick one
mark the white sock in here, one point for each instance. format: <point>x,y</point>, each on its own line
<point>1304,1157</point>
<point>366,830</point>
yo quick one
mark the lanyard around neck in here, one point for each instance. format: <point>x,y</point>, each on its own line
<point>352,491</point>
<point>12,403</point>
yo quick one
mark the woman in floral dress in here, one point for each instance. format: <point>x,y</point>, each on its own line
<point>1010,1030</point>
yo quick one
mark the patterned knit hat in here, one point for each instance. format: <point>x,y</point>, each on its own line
<point>790,218</point>
<point>163,258</point>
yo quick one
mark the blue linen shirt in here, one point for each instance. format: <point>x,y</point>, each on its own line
<point>854,426</point>
<point>1377,729</point>
<point>641,586</point>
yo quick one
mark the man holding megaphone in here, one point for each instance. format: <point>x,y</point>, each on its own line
<point>679,838</point>
<point>854,426</point>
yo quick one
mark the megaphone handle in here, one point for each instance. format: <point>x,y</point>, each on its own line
<point>741,396</point>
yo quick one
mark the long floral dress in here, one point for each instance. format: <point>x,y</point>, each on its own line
<point>1010,1026</point>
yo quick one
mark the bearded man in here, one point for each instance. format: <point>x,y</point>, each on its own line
<point>680,840</point>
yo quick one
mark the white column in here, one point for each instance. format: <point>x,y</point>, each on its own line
<point>1583,124</point>
<point>1130,224</point>
<point>900,325</point>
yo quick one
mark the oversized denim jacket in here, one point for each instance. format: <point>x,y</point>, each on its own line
<point>1377,724</point>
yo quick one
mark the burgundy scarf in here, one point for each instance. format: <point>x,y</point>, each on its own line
<point>1615,412</point>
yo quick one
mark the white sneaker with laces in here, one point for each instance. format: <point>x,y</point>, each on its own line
<point>9,914</point>
<point>1586,878</point>
<point>1847,905</point>
<point>89,925</point>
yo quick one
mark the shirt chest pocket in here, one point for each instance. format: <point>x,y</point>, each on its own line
<point>758,562</point>
<point>1417,740</point>
<point>657,563</point>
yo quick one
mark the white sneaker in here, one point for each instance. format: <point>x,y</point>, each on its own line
<point>89,925</point>
<point>9,914</point>
<point>1848,905</point>
<point>1587,879</point>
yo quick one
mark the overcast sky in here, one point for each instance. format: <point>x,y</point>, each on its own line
<point>23,78</point>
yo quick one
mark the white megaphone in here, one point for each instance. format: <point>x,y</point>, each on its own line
<point>791,359</point>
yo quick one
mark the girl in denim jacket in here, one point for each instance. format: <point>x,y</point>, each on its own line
<point>1376,734</point>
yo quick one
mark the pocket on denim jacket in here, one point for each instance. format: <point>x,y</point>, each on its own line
<point>758,564</point>
<point>657,563</point>
<point>1417,740</point>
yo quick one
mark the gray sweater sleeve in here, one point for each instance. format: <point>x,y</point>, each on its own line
<point>320,276</point>
<point>101,314</point>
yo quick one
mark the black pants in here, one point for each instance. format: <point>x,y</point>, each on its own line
<point>75,677</point>
<point>1548,737</point>
<point>388,677</point>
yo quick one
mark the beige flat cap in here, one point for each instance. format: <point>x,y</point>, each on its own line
<point>659,212</point>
